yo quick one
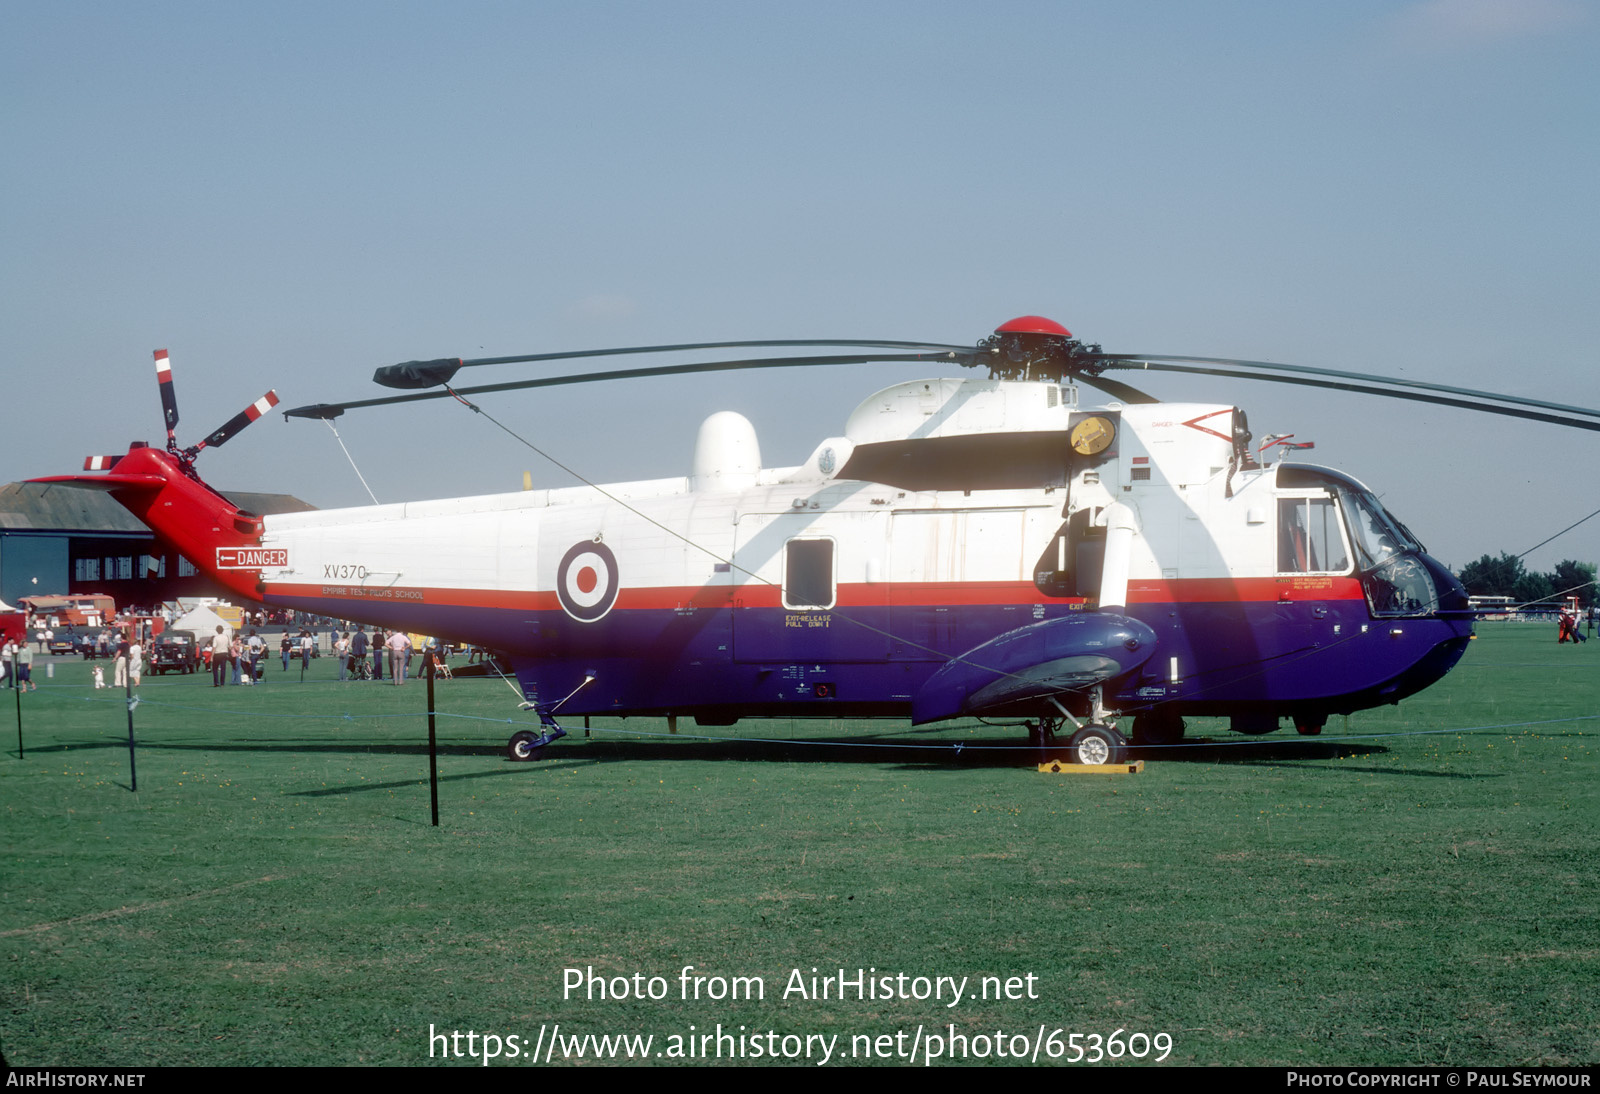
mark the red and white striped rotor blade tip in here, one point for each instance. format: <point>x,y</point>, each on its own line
<point>241,419</point>
<point>169,398</point>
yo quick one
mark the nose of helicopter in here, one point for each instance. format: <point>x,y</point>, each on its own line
<point>1452,595</point>
<point>1426,610</point>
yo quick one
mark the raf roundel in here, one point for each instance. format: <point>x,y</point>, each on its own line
<point>586,581</point>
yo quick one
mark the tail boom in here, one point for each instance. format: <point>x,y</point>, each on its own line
<point>205,527</point>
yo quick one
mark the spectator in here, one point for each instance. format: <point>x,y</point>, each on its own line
<point>399,653</point>
<point>220,647</point>
<point>358,648</point>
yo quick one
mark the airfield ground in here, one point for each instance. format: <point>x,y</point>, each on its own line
<point>1416,888</point>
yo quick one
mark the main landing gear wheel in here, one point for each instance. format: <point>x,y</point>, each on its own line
<point>1097,745</point>
<point>524,746</point>
<point>1160,726</point>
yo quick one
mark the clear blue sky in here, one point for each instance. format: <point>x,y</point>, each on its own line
<point>288,195</point>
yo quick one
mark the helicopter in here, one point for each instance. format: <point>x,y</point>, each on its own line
<point>968,547</point>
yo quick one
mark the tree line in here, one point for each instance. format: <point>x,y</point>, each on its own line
<point>1506,576</point>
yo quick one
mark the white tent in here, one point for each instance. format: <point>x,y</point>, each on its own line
<point>202,621</point>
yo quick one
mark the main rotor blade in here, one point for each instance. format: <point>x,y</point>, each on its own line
<point>333,410</point>
<point>1116,389</point>
<point>169,398</point>
<point>239,421</point>
<point>1156,364</point>
<point>1134,361</point>
<point>404,374</point>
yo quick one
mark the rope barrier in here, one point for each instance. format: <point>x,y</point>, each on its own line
<point>800,742</point>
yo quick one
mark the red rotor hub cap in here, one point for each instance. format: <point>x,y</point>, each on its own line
<point>1033,324</point>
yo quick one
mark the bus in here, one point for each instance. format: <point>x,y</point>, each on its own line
<point>1492,607</point>
<point>74,609</point>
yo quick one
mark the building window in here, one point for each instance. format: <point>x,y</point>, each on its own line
<point>186,568</point>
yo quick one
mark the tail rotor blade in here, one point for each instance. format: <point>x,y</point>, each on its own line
<point>101,463</point>
<point>239,421</point>
<point>169,398</point>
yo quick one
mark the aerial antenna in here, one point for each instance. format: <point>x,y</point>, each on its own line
<point>352,459</point>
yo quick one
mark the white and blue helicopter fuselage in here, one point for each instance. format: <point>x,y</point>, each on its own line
<point>967,547</point>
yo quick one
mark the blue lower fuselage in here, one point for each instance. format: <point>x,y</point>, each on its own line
<point>1265,648</point>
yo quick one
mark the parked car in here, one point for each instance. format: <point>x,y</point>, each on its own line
<point>175,651</point>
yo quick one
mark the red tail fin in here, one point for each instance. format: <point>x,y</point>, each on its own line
<point>207,528</point>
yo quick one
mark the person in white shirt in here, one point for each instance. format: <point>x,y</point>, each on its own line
<point>399,643</point>
<point>221,648</point>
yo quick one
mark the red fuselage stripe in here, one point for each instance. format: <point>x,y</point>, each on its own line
<point>1191,591</point>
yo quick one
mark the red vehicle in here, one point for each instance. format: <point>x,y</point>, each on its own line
<point>76,609</point>
<point>13,627</point>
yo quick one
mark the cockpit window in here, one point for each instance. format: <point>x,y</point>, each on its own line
<point>1309,539</point>
<point>1377,536</point>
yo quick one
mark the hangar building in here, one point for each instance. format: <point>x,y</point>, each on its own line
<point>56,539</point>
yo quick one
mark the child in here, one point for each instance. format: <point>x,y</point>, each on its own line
<point>99,677</point>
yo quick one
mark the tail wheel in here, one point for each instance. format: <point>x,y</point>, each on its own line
<point>1097,745</point>
<point>524,746</point>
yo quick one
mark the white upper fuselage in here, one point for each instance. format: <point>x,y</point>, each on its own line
<point>1169,463</point>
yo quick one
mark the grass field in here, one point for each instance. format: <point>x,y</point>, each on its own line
<point>275,894</point>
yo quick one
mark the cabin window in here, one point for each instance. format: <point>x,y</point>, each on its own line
<point>808,574</point>
<point>1309,537</point>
